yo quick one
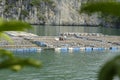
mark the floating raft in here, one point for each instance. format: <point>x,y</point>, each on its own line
<point>66,42</point>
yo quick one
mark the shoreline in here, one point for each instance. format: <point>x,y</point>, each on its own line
<point>67,25</point>
<point>85,25</point>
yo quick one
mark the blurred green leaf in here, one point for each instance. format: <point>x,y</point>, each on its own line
<point>5,53</point>
<point>17,63</point>
<point>7,58</point>
<point>16,67</point>
<point>110,69</point>
<point>6,37</point>
<point>13,25</point>
<point>107,7</point>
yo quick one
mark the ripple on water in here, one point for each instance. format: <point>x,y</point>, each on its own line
<point>80,66</point>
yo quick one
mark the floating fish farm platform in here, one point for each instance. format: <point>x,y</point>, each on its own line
<point>24,42</point>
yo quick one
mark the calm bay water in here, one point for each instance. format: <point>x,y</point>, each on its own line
<point>63,66</point>
<point>55,30</point>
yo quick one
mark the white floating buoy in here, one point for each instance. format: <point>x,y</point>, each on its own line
<point>82,48</point>
<point>57,49</point>
<point>39,50</point>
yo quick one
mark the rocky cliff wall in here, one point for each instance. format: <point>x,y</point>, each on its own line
<point>67,13</point>
<point>56,12</point>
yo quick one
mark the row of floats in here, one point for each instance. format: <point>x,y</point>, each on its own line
<point>24,50</point>
<point>87,49</point>
<point>64,49</point>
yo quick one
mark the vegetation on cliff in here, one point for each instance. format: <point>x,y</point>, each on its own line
<point>27,10</point>
<point>108,9</point>
<point>53,12</point>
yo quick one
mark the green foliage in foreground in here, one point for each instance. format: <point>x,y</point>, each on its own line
<point>110,7</point>
<point>110,69</point>
<point>13,25</point>
<point>7,59</point>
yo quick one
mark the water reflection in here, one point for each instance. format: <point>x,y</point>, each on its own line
<point>56,30</point>
<point>110,31</point>
<point>60,66</point>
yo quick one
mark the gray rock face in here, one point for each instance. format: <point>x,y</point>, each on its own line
<point>64,12</point>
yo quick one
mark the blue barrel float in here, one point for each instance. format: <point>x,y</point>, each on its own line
<point>24,50</point>
<point>19,50</point>
<point>33,50</point>
<point>98,49</point>
<point>64,50</point>
<point>76,49</point>
<point>101,49</point>
<point>41,44</point>
<point>88,49</point>
<point>113,48</point>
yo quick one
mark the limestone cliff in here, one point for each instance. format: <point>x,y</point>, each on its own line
<point>53,12</point>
